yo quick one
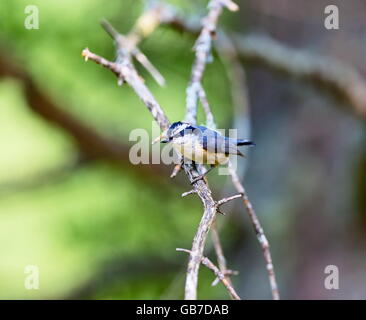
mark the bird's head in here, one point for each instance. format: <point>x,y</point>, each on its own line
<point>174,129</point>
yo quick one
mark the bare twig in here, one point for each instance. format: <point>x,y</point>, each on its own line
<point>188,193</point>
<point>225,200</point>
<point>207,262</point>
<point>259,232</point>
<point>202,56</point>
<point>177,168</point>
<point>227,48</point>
<point>144,26</point>
<point>145,62</point>
<point>210,122</point>
<point>221,260</point>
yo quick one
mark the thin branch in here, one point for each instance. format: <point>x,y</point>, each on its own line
<point>207,262</point>
<point>176,169</point>
<point>144,26</point>
<point>193,191</point>
<point>225,200</point>
<point>145,62</point>
<point>221,260</point>
<point>202,56</point>
<point>240,97</point>
<point>109,29</point>
<point>259,232</point>
<point>210,122</point>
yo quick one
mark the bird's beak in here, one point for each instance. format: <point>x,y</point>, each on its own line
<point>162,138</point>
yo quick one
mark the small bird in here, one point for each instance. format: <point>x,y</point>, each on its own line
<point>201,144</point>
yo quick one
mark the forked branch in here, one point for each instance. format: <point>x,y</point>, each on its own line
<point>222,277</point>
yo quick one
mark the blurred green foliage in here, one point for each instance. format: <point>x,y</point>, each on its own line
<point>86,217</point>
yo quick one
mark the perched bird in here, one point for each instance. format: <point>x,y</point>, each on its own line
<point>201,145</point>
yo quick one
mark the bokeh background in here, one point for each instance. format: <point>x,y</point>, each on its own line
<point>99,227</point>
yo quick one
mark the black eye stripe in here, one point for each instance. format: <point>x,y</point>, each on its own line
<point>190,128</point>
<point>175,124</point>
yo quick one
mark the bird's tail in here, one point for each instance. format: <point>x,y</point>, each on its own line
<point>241,142</point>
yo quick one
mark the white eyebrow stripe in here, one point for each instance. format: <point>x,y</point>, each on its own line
<point>179,128</point>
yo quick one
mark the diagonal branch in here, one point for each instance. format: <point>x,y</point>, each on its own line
<point>221,260</point>
<point>144,26</point>
<point>221,276</point>
<point>262,239</point>
<point>227,48</point>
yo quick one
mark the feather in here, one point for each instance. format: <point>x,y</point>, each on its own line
<point>241,142</point>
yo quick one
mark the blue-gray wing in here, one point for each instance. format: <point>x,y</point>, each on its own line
<point>213,141</point>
